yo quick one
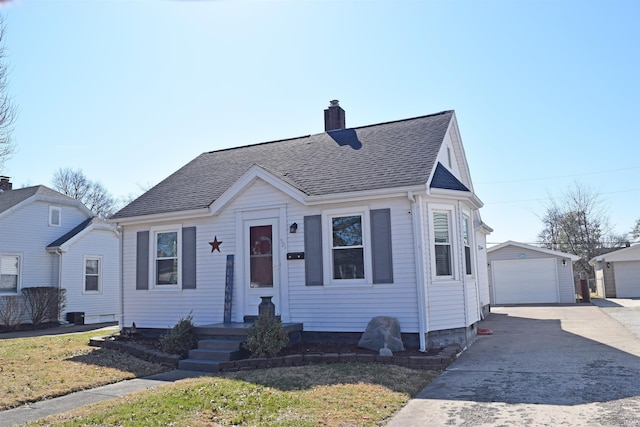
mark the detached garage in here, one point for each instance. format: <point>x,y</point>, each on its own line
<point>525,274</point>
<point>618,273</point>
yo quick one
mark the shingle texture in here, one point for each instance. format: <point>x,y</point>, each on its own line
<point>442,178</point>
<point>385,155</point>
<point>9,199</point>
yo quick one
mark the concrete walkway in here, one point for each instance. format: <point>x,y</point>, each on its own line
<point>544,365</point>
<point>71,401</point>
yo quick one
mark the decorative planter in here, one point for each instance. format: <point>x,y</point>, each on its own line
<point>267,307</point>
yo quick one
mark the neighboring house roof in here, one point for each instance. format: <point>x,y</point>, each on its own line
<point>78,231</point>
<point>572,257</point>
<point>388,155</point>
<point>11,198</point>
<point>632,253</point>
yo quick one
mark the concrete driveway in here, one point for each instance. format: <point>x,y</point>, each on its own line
<point>544,365</point>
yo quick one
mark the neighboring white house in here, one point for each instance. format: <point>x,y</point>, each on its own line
<point>49,239</point>
<point>525,274</point>
<point>618,273</point>
<point>336,227</point>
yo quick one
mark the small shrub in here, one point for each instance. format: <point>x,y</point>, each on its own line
<point>266,337</point>
<point>11,311</point>
<point>44,303</point>
<point>181,338</point>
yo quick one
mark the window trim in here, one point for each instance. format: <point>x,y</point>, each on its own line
<point>84,274</point>
<point>449,212</point>
<point>327,246</point>
<point>19,281</point>
<point>468,245</point>
<point>53,209</point>
<point>153,251</point>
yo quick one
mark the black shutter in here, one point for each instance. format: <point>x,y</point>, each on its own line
<point>189,258</point>
<point>381,257</point>
<point>142,260</point>
<point>313,250</point>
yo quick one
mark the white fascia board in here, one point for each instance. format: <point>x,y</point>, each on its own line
<point>632,253</point>
<point>457,195</point>
<point>255,172</point>
<point>454,132</point>
<point>71,202</point>
<point>355,196</point>
<point>572,257</point>
<point>163,217</point>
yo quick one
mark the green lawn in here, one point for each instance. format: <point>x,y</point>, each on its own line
<point>317,395</point>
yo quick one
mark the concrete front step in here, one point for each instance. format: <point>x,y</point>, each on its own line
<point>220,344</point>
<point>201,365</point>
<point>215,355</point>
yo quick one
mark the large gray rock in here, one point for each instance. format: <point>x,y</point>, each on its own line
<point>381,332</point>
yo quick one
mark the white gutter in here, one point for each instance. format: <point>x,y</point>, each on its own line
<point>121,287</point>
<point>59,252</point>
<point>416,213</point>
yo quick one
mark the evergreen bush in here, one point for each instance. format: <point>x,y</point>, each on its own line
<point>266,337</point>
<point>181,338</point>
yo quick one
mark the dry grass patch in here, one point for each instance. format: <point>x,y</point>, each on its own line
<point>37,368</point>
<point>318,395</point>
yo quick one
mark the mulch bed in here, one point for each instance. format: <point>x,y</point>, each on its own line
<point>299,348</point>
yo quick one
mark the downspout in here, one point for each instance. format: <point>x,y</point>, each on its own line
<point>59,252</point>
<point>462,272</point>
<point>416,214</point>
<point>121,287</point>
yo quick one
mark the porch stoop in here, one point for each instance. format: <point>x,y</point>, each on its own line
<point>221,342</point>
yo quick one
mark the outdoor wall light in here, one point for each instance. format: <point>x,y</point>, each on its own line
<point>564,262</point>
<point>608,265</point>
<point>293,228</point>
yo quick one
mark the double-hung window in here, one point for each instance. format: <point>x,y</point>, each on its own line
<point>347,247</point>
<point>467,245</point>
<point>442,239</point>
<point>9,273</point>
<point>55,216</point>
<point>166,246</point>
<point>92,274</point>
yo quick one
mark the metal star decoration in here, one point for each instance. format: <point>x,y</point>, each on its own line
<point>215,245</point>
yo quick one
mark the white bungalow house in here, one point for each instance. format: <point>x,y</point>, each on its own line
<point>336,227</point>
<point>49,239</point>
<point>618,273</point>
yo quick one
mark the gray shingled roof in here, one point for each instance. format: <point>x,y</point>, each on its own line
<point>386,155</point>
<point>10,198</point>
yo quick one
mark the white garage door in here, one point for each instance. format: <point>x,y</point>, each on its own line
<point>627,279</point>
<point>525,281</point>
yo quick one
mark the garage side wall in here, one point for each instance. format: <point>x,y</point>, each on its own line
<point>565,272</point>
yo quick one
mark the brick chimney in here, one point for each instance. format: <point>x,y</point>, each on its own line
<point>5,184</point>
<point>333,116</point>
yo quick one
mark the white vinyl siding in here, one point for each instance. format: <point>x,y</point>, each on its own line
<point>320,308</point>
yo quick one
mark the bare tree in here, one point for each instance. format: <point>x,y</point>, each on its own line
<point>579,224</point>
<point>635,231</point>
<point>92,194</point>
<point>8,111</point>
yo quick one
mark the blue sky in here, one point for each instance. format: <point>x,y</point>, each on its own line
<point>546,93</point>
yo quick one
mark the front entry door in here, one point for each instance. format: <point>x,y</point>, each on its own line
<point>261,260</point>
